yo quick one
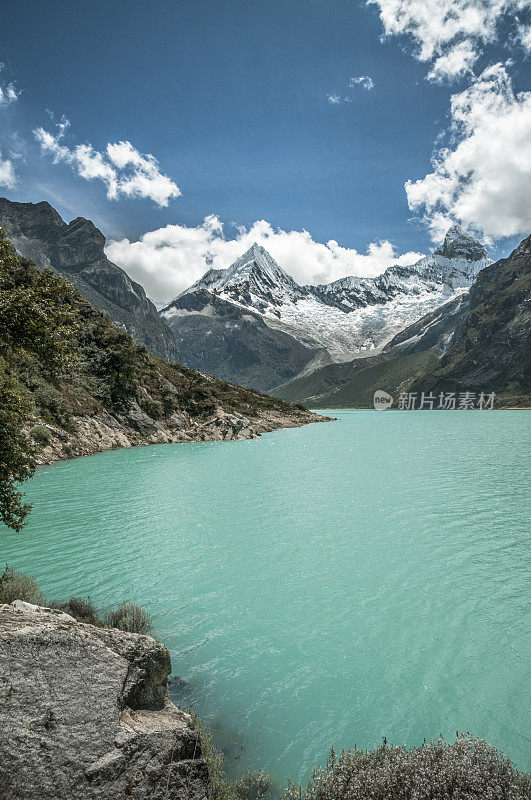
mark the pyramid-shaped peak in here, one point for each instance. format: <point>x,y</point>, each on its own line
<point>255,251</point>
<point>254,274</point>
<point>256,257</point>
<point>460,244</point>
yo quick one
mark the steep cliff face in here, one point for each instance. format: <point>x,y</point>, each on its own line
<point>491,349</point>
<point>75,251</point>
<point>85,713</point>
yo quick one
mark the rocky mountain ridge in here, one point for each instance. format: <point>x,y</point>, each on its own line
<point>478,341</point>
<point>491,347</point>
<point>234,343</point>
<point>76,251</point>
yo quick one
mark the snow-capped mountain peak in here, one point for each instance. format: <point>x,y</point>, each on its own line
<point>256,264</point>
<point>460,244</point>
<point>254,278</point>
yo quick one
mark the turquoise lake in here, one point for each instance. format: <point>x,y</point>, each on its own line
<point>326,585</point>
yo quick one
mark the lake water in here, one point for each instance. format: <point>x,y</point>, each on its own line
<point>327,585</point>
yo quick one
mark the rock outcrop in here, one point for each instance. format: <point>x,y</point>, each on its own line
<point>108,431</point>
<point>85,714</point>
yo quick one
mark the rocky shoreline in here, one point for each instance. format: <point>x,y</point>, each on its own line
<point>107,431</point>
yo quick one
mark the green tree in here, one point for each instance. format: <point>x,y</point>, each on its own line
<point>17,452</point>
<point>37,318</point>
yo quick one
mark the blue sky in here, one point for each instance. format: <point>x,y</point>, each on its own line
<point>232,99</point>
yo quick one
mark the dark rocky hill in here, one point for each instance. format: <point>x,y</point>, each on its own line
<point>234,343</point>
<point>491,351</point>
<point>75,251</point>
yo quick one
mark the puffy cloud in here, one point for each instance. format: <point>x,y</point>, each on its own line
<point>438,27</point>
<point>362,80</point>
<point>123,170</point>
<point>7,173</point>
<point>168,260</point>
<point>482,178</point>
<point>455,63</point>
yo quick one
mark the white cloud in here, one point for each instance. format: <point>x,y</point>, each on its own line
<point>438,26</point>
<point>455,63</point>
<point>524,35</point>
<point>482,179</point>
<point>123,170</point>
<point>8,94</point>
<point>7,173</point>
<point>335,99</point>
<point>168,260</point>
<point>362,80</point>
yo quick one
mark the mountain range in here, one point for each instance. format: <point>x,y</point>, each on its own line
<point>478,342</point>
<point>252,323</point>
<point>452,317</point>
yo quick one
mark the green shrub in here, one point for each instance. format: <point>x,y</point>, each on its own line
<point>41,434</point>
<point>153,408</point>
<point>129,617</point>
<point>53,405</point>
<point>17,586</point>
<point>82,610</point>
<point>465,770</point>
<point>253,785</point>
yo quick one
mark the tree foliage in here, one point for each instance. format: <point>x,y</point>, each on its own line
<point>36,319</point>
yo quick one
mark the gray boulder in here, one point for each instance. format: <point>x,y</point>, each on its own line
<point>85,713</point>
